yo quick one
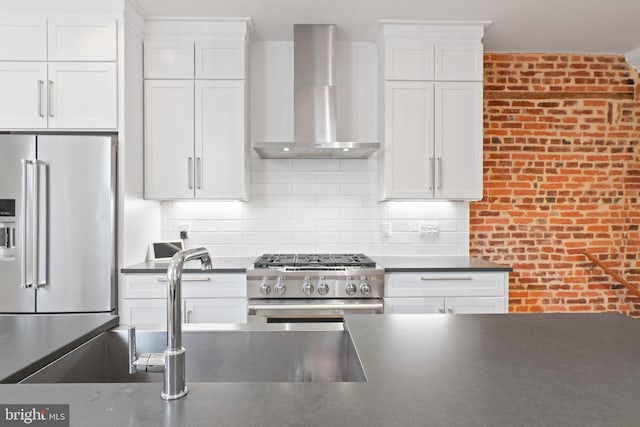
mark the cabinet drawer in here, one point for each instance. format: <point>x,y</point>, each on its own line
<point>445,284</point>
<point>193,286</point>
<point>168,59</point>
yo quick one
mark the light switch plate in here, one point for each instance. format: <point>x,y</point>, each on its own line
<point>385,229</point>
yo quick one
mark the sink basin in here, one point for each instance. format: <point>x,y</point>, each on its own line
<point>267,353</point>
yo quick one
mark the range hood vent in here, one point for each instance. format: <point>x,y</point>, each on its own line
<point>314,113</point>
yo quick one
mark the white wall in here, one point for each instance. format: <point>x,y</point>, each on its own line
<point>316,205</point>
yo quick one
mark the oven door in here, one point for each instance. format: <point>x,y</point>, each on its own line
<point>310,310</point>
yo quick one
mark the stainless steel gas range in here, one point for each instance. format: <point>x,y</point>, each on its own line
<point>313,287</point>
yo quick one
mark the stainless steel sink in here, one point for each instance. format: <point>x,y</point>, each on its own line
<point>245,353</point>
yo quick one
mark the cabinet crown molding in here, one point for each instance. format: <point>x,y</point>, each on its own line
<point>391,28</point>
<point>198,28</point>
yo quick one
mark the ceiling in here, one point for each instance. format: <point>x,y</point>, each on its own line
<point>593,26</point>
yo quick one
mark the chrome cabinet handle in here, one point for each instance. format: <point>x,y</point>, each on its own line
<point>195,279</point>
<point>439,184</point>
<point>40,88</point>
<point>433,172</point>
<point>446,278</point>
<point>190,172</point>
<point>189,313</point>
<point>198,173</point>
<point>450,310</point>
<point>441,310</point>
<point>50,98</point>
<point>23,228</point>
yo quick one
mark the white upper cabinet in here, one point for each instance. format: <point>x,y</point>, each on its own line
<point>220,59</point>
<point>82,39</point>
<point>58,73</point>
<point>458,60</point>
<point>23,39</point>
<point>169,161</point>
<point>221,156</point>
<point>23,103</point>
<point>196,139</point>
<point>168,59</point>
<point>431,111</point>
<point>458,140</point>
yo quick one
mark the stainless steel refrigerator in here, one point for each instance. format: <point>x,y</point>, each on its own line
<point>57,223</point>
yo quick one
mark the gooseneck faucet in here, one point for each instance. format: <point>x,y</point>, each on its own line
<point>172,361</point>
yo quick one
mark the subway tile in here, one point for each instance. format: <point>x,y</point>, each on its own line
<point>316,164</point>
<point>316,213</point>
<point>313,189</point>
<point>291,225</point>
<point>340,177</point>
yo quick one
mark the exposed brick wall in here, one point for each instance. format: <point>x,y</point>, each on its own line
<point>561,176</point>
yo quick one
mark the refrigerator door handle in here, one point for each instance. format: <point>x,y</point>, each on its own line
<point>35,226</point>
<point>40,213</point>
<point>23,228</point>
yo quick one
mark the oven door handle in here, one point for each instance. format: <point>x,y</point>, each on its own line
<point>254,307</point>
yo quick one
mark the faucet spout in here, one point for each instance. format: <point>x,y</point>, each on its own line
<point>174,386</point>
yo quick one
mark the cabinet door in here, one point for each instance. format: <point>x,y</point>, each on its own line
<point>458,60</point>
<point>221,145</point>
<point>458,140</point>
<point>82,96</point>
<point>23,39</point>
<point>23,101</point>
<point>413,305</point>
<point>216,310</point>
<point>168,144</point>
<point>82,39</point>
<point>220,59</point>
<point>168,59</point>
<point>143,311</point>
<point>446,284</point>
<point>475,305</point>
<point>408,140</point>
<point>408,60</point>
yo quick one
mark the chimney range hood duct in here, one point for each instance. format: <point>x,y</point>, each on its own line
<point>314,70</point>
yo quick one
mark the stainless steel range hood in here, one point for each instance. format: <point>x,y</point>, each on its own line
<point>314,115</point>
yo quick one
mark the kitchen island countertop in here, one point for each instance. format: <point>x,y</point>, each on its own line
<point>436,370</point>
<point>28,342</point>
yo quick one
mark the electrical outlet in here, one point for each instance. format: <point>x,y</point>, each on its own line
<point>183,229</point>
<point>428,229</point>
<point>385,229</point>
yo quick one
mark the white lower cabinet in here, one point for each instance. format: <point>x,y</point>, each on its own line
<point>453,293</point>
<point>206,298</point>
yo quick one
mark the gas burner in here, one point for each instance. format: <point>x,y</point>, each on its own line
<point>315,261</point>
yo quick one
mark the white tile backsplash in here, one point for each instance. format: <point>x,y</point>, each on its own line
<point>317,206</point>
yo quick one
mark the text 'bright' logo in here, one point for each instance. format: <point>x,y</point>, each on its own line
<point>37,415</point>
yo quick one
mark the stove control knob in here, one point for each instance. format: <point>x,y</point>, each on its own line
<point>323,288</point>
<point>279,289</point>
<point>307,288</point>
<point>365,289</point>
<point>265,289</point>
<point>350,288</point>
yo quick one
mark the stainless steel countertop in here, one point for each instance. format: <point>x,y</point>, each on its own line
<point>436,370</point>
<point>30,341</point>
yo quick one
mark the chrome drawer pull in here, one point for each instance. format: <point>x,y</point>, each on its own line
<point>195,279</point>
<point>446,278</point>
